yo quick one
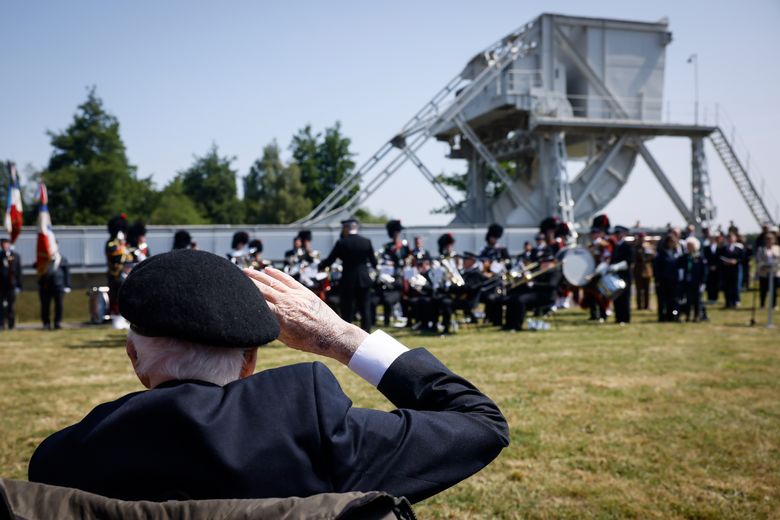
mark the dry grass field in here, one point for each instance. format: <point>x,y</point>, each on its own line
<point>645,421</point>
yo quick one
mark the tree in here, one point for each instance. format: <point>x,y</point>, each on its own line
<point>211,184</point>
<point>324,160</point>
<point>89,178</point>
<point>458,181</point>
<point>273,191</point>
<point>172,206</point>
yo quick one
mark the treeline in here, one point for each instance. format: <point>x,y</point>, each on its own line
<point>89,179</point>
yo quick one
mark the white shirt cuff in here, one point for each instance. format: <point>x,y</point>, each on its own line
<point>375,355</point>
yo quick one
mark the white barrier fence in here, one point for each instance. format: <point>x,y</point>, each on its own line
<point>84,246</point>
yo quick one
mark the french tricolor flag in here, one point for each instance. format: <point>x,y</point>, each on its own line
<point>47,244</point>
<point>13,209</point>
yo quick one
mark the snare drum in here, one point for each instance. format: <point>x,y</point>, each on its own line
<point>610,285</point>
<point>98,305</point>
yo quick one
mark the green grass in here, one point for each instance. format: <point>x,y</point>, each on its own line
<point>645,421</point>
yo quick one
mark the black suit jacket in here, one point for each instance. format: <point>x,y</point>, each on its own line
<point>10,271</point>
<point>284,432</point>
<point>355,252</point>
<point>622,252</point>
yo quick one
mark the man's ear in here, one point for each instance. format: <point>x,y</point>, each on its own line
<point>250,362</point>
<point>133,355</point>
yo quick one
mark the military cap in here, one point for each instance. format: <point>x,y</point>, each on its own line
<point>392,227</point>
<point>548,224</point>
<point>469,254</point>
<point>601,222</point>
<point>196,296</point>
<point>305,235</point>
<point>255,246</point>
<point>117,224</point>
<point>494,230</point>
<point>445,240</point>
<point>620,229</point>
<point>181,239</point>
<point>349,222</point>
<point>239,237</point>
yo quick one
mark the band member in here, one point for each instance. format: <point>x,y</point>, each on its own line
<point>466,297</point>
<point>711,246</point>
<point>183,240</point>
<point>355,253</point>
<point>419,251</point>
<point>446,243</point>
<point>119,260</point>
<point>730,256</point>
<point>621,263</point>
<point>10,283</point>
<point>389,283</point>
<point>494,258</point>
<point>601,249</point>
<point>429,297</point>
<point>311,255</point>
<point>136,241</point>
<point>643,271</point>
<point>540,294</point>
<point>293,256</point>
<point>255,255</point>
<point>528,255</point>
<point>492,250</point>
<point>239,247</point>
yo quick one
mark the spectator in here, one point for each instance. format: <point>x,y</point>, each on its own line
<point>53,286</point>
<point>643,271</point>
<point>730,256</point>
<point>768,264</point>
<point>694,280</point>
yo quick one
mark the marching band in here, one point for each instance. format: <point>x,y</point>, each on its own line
<point>424,291</point>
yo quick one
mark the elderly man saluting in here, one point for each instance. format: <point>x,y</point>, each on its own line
<point>207,428</point>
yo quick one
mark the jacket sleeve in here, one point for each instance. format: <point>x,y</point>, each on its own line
<point>18,272</point>
<point>371,255</point>
<point>334,254</point>
<point>443,431</point>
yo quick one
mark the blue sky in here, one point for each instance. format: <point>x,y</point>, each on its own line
<point>180,75</point>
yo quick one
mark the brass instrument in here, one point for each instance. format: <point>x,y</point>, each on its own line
<point>451,272</point>
<point>515,279</point>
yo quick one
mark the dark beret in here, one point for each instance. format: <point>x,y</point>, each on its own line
<point>199,297</point>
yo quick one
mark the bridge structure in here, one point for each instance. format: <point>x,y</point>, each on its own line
<point>557,88</point>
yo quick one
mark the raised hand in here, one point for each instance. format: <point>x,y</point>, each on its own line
<point>306,322</point>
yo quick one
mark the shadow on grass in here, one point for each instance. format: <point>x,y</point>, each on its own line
<point>100,343</point>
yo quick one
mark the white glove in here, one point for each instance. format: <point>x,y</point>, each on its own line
<point>620,266</point>
<point>602,268</point>
<point>66,290</point>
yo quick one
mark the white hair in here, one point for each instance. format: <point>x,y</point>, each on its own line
<point>180,359</point>
<point>693,241</point>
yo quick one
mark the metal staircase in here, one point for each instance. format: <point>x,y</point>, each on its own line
<point>441,110</point>
<point>741,178</point>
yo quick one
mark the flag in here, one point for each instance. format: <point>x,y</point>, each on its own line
<point>47,245</point>
<point>13,209</point>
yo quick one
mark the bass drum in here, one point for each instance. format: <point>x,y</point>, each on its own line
<point>578,266</point>
<point>98,305</point>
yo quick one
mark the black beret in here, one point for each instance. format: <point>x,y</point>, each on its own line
<point>199,297</point>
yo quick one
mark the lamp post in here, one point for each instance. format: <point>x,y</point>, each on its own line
<point>695,60</point>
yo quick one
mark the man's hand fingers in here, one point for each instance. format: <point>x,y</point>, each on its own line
<point>283,277</point>
<point>263,278</point>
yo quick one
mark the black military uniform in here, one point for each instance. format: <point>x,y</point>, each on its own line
<point>10,283</point>
<point>117,256</point>
<point>623,253</point>
<point>355,253</point>
<point>492,295</point>
<point>542,295</point>
<point>394,253</point>
<point>288,431</point>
